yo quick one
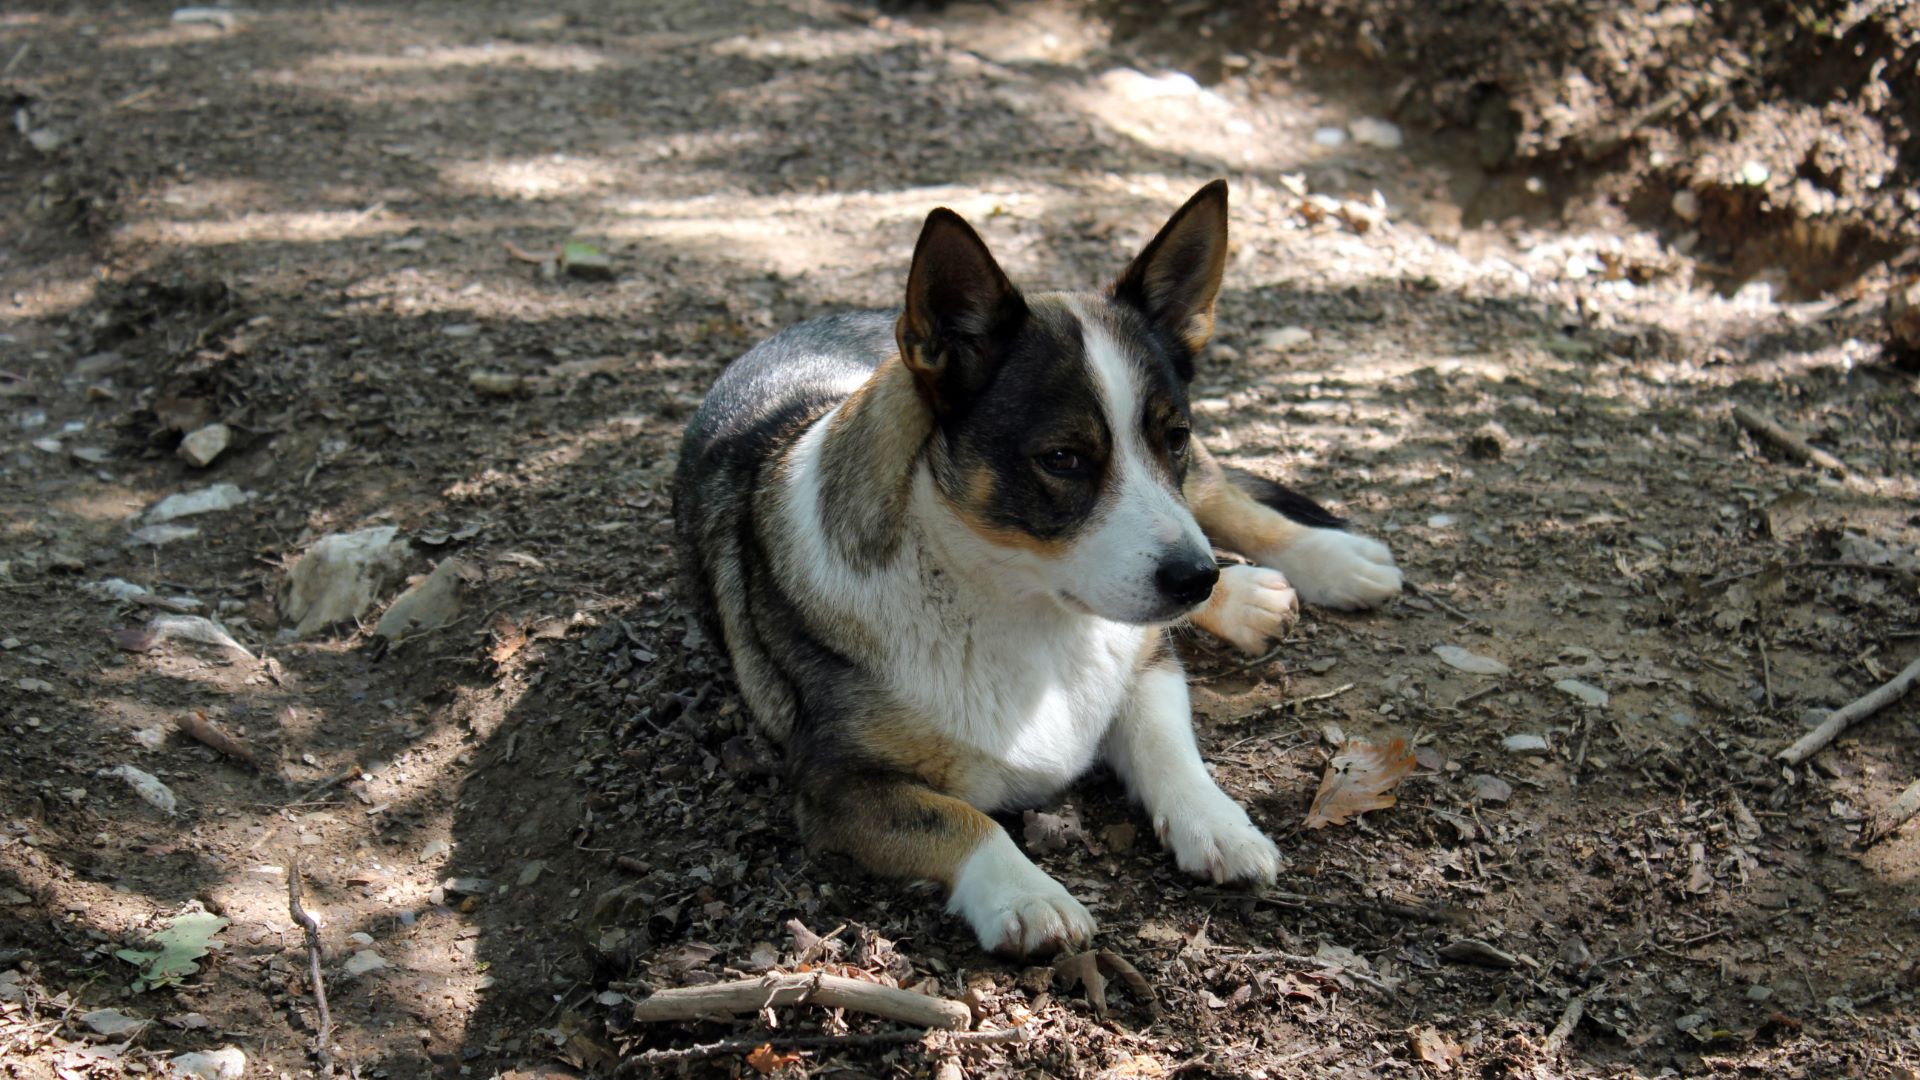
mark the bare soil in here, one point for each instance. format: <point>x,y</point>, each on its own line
<point>299,225</point>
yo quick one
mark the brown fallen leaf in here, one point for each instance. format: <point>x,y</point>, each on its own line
<point>1360,778</point>
<point>766,1061</point>
<point>1434,1048</point>
<point>1090,970</point>
<point>508,639</point>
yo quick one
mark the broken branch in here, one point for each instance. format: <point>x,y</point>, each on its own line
<point>202,730</point>
<point>646,1061</point>
<point>325,1029</point>
<point>1842,718</point>
<point>818,988</point>
<point>1764,427</point>
<point>1892,816</point>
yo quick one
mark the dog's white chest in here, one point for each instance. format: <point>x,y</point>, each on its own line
<point>1036,696</point>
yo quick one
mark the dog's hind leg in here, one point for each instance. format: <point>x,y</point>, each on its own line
<point>1282,529</point>
<point>897,827</point>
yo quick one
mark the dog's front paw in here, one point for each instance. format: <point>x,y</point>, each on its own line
<point>1338,569</point>
<point>1250,606</point>
<point>1013,906</point>
<point>1213,838</point>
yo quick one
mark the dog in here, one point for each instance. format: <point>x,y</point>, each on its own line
<point>945,545</point>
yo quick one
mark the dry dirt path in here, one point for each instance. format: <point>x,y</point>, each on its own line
<point>298,225</point>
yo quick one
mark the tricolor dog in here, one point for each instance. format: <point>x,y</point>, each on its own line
<point>944,546</point>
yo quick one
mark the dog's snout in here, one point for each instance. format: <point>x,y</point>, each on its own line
<point>1186,579</point>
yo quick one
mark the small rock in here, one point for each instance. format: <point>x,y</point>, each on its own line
<point>147,786</point>
<point>1330,136</point>
<point>224,18</point>
<point>1754,173</point>
<point>1472,663</point>
<point>207,500</point>
<point>1685,205</point>
<point>1691,1021</point>
<point>190,1021</point>
<point>226,1063</point>
<point>1285,338</point>
<point>150,738</point>
<point>35,686</point>
<point>201,446</point>
<point>10,897</point>
<point>433,850</point>
<point>90,455</point>
<point>429,605</point>
<point>1588,694</point>
<point>1372,131</point>
<point>361,938</point>
<point>111,1022</point>
<point>340,575</point>
<point>1490,789</point>
<point>362,962</point>
<point>1440,521</point>
<point>498,384</point>
<point>160,535</point>
<point>461,330</point>
<point>530,873</point>
<point>1524,744</point>
<point>1758,993</point>
<point>467,886</point>
<point>407,244</point>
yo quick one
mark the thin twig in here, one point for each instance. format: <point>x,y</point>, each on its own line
<point>1299,900</point>
<point>1768,430</point>
<point>1807,564</point>
<point>1435,600</point>
<point>651,1058</point>
<point>324,1033</point>
<point>819,988</point>
<point>1839,720</point>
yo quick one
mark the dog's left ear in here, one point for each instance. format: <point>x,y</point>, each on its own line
<point>1175,278</point>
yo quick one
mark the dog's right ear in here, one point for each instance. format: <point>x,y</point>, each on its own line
<point>961,309</point>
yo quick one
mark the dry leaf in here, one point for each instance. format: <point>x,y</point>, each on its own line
<point>508,639</point>
<point>766,1061</point>
<point>1359,778</point>
<point>1434,1048</point>
<point>1090,969</point>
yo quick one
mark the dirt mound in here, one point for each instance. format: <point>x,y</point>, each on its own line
<point>1774,136</point>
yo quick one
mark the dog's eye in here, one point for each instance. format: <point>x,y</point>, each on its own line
<point>1177,439</point>
<point>1061,461</point>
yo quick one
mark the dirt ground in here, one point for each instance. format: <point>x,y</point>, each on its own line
<point>324,227</point>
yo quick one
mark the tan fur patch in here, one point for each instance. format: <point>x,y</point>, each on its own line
<point>979,484</point>
<point>1231,518</point>
<point>867,462</point>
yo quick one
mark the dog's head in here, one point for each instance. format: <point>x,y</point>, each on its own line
<point>1062,431</point>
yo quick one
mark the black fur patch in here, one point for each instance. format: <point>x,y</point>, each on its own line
<point>1284,501</point>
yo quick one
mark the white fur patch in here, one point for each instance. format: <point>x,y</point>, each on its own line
<point>1249,607</point>
<point>1153,749</point>
<point>1337,569</point>
<point>1012,905</point>
<point>1111,567</point>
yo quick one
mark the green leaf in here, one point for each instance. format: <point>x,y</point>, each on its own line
<point>174,950</point>
<point>577,252</point>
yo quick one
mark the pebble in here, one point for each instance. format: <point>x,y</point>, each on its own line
<point>1758,993</point>
<point>1586,692</point>
<point>1440,521</point>
<point>362,962</point>
<point>1490,789</point>
<point>1473,663</point>
<point>1524,744</point>
<point>207,500</point>
<point>226,1063</point>
<point>1372,131</point>
<point>1285,338</point>
<point>203,445</point>
<point>1330,136</point>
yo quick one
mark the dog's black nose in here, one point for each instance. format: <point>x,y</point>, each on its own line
<point>1186,580</point>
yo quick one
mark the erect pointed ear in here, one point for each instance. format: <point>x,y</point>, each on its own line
<point>1176,277</point>
<point>960,310</point>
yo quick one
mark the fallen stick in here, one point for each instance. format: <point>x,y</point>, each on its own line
<point>1892,816</point>
<point>1557,1038</point>
<point>652,1058</point>
<point>817,988</point>
<point>1840,719</point>
<point>325,1030</point>
<point>1765,428</point>
<point>202,730</point>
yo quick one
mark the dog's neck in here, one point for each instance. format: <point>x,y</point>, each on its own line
<point>868,458</point>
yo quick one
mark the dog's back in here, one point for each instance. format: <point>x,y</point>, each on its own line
<point>734,444</point>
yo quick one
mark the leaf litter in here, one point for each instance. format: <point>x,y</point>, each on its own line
<point>1361,777</point>
<point>174,952</point>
